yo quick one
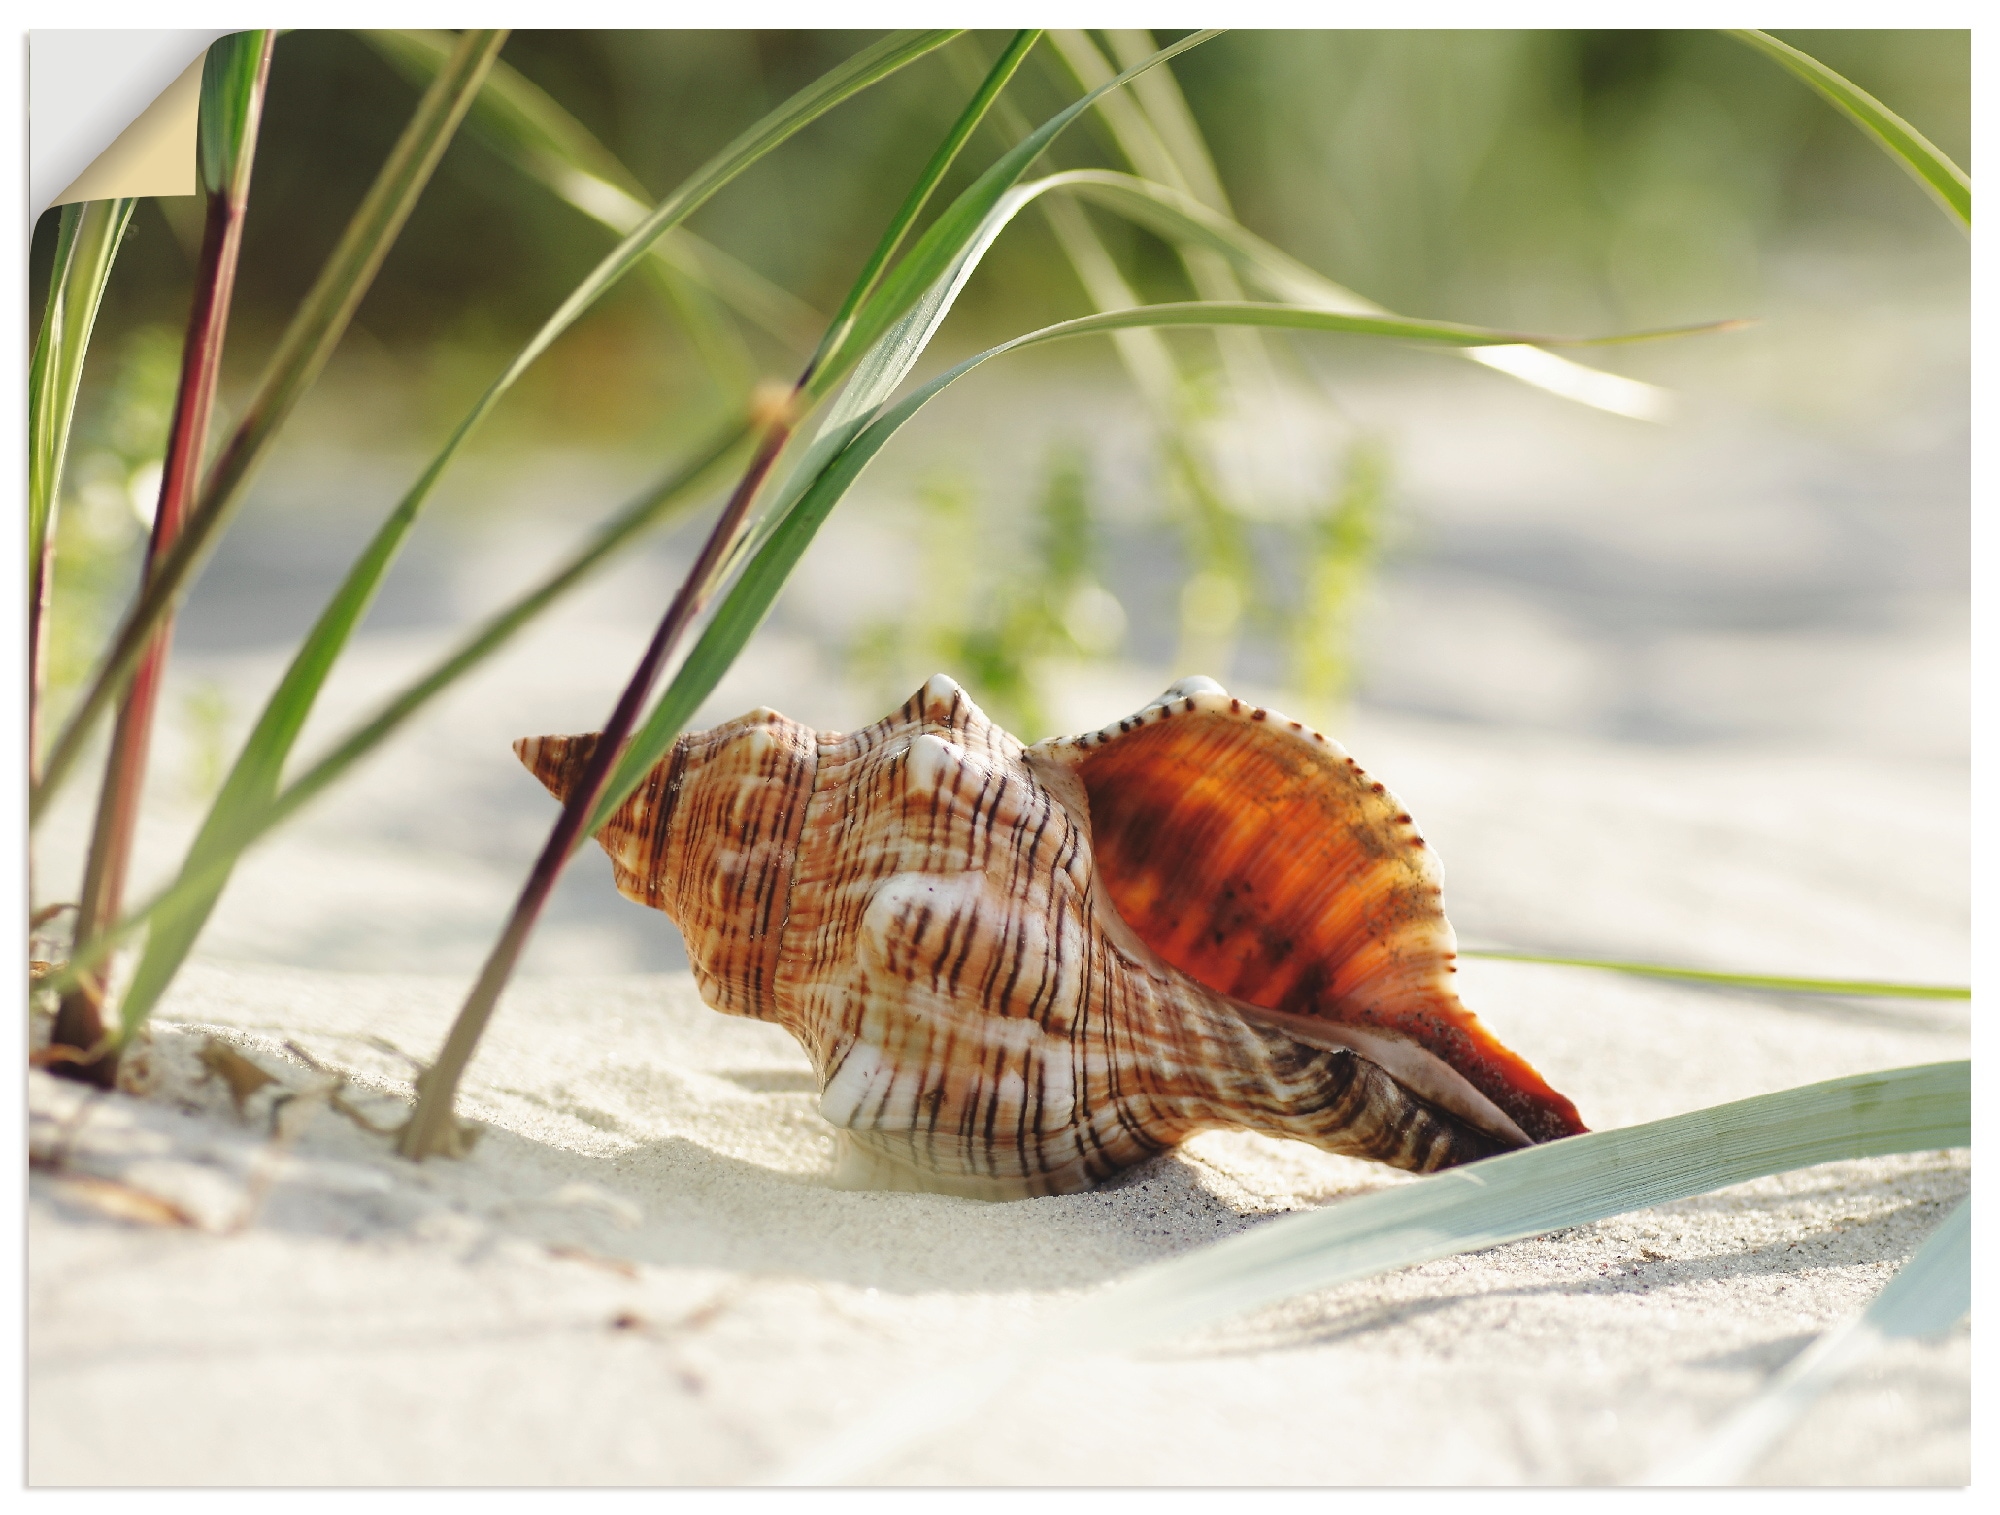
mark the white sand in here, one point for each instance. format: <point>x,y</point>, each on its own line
<point>640,1275</point>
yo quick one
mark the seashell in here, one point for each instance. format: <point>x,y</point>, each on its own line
<point>1018,970</point>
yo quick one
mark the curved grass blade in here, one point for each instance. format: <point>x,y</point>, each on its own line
<point>1157,134</point>
<point>651,509</point>
<point>1856,987</point>
<point>1927,1297</point>
<point>302,352</point>
<point>947,152</point>
<point>1942,179</point>
<point>253,780</point>
<point>87,239</point>
<point>1564,1183</point>
<point>944,242</point>
<point>522,123</point>
<point>323,645</point>
<point>1183,219</point>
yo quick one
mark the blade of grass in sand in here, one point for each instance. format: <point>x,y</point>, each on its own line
<point>233,79</point>
<point>301,354</point>
<point>253,779</point>
<point>652,508</point>
<point>87,239</point>
<point>522,123</point>
<point>433,1127</point>
<point>1943,179</point>
<point>1927,1297</point>
<point>1857,987</point>
<point>1565,1183</point>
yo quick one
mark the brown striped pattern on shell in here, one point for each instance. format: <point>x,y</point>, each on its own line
<point>920,904</point>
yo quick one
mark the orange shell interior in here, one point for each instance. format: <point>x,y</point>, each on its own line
<point>1260,860</point>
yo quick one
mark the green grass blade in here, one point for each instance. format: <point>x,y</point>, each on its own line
<point>1928,1296</point>
<point>301,354</point>
<point>1156,132</point>
<point>524,125</point>
<point>1565,1183</point>
<point>253,780</point>
<point>913,204</point>
<point>1857,987</point>
<point>1184,220</point>
<point>87,241</point>
<point>945,243</point>
<point>1943,179</point>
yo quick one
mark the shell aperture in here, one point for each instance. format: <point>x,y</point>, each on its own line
<point>1020,970</point>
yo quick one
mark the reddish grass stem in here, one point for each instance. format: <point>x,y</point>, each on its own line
<point>80,1018</point>
<point>432,1129</point>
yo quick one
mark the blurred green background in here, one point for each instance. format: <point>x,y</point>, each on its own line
<point>1551,180</point>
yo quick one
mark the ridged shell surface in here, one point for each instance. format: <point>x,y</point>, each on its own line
<point>1020,970</point>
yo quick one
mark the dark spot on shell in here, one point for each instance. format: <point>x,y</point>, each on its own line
<point>1190,702</point>
<point>1258,715</point>
<point>1235,707</point>
<point>1296,726</point>
<point>1375,789</point>
<point>1403,820</point>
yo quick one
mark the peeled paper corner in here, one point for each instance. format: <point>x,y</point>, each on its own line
<point>113,113</point>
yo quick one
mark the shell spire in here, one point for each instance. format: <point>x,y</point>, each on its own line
<point>1019,970</point>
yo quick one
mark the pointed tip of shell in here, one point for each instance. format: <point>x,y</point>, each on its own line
<point>558,761</point>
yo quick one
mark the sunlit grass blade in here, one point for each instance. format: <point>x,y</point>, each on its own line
<point>433,1127</point>
<point>1928,1296</point>
<point>1943,179</point>
<point>1183,219</point>
<point>1857,987</point>
<point>1538,1189</point>
<point>253,780</point>
<point>651,509</point>
<point>87,239</point>
<point>523,124</point>
<point>301,354</point>
<point>233,79</point>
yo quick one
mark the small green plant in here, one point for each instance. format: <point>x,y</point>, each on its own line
<point>1001,620</point>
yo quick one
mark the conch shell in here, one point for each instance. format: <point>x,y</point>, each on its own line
<point>1019,970</point>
